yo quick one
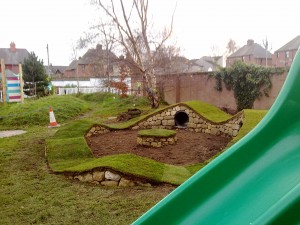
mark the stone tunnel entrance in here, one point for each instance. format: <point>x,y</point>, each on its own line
<point>181,119</point>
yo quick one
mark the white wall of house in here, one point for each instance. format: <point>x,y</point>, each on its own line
<point>91,86</point>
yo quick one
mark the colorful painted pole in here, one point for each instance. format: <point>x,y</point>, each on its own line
<point>21,82</point>
<point>3,81</point>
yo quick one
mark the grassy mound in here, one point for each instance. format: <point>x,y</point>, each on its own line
<point>157,133</point>
<point>68,151</point>
<point>36,112</point>
<point>208,111</point>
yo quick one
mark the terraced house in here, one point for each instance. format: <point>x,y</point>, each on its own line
<point>284,56</point>
<point>251,53</point>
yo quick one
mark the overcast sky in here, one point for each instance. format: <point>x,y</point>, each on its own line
<point>199,25</point>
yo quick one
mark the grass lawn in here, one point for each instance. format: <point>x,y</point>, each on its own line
<point>31,194</point>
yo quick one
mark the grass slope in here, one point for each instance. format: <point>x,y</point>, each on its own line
<point>36,112</point>
<point>208,111</point>
<point>31,195</point>
<point>67,151</point>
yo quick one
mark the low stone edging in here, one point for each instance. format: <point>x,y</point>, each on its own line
<point>156,141</point>
<point>108,178</point>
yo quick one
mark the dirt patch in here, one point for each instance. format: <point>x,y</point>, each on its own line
<point>191,147</point>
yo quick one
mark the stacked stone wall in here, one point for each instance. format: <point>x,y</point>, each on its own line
<point>197,123</point>
<point>106,177</point>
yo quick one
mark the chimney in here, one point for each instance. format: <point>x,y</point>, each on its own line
<point>13,47</point>
<point>250,42</point>
<point>99,47</point>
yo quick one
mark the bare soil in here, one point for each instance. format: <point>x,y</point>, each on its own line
<point>191,147</point>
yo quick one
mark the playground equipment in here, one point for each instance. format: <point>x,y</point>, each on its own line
<point>11,85</point>
<point>256,181</point>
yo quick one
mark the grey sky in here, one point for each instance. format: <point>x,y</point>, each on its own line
<point>198,26</point>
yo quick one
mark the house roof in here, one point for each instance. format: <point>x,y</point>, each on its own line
<point>251,48</point>
<point>73,65</point>
<point>205,63</point>
<point>95,55</point>
<point>13,57</point>
<point>55,69</point>
<point>291,45</point>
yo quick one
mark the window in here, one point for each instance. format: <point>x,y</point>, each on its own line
<point>287,54</point>
<point>277,55</point>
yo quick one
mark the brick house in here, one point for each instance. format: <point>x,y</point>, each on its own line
<point>89,72</point>
<point>251,53</point>
<point>13,57</point>
<point>92,64</point>
<point>284,56</point>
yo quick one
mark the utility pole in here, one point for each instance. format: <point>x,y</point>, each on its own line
<point>48,57</point>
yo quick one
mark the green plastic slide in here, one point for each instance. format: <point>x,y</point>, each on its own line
<point>256,181</point>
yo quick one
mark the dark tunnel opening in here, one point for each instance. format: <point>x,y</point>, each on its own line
<point>181,119</point>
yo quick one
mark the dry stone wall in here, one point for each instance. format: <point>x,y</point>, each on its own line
<point>110,178</point>
<point>165,119</point>
<point>156,141</point>
<point>197,123</point>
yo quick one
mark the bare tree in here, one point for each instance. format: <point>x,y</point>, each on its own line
<point>134,35</point>
<point>104,34</point>
<point>231,46</point>
<point>73,58</point>
<point>267,48</point>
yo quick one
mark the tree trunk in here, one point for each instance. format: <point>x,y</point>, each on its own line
<point>152,93</point>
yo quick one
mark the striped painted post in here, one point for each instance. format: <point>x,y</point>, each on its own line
<point>13,89</point>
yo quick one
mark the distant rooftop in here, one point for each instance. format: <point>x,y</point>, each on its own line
<point>292,45</point>
<point>13,55</point>
<point>251,48</point>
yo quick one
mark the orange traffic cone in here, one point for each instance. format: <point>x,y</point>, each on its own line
<point>53,122</point>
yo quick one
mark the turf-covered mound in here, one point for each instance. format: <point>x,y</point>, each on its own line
<point>67,150</point>
<point>36,112</point>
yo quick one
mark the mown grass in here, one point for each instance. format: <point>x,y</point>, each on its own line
<point>208,111</point>
<point>252,118</point>
<point>31,194</point>
<point>157,133</point>
<point>67,151</point>
<point>36,112</point>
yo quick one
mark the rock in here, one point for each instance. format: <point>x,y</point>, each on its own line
<point>214,131</point>
<point>110,183</point>
<point>84,177</point>
<point>93,129</point>
<point>171,123</point>
<point>234,133</point>
<point>139,141</point>
<point>112,176</point>
<point>139,183</point>
<point>235,126</point>
<point>135,127</point>
<point>126,183</point>
<point>98,176</point>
